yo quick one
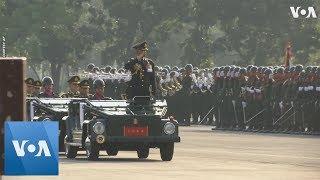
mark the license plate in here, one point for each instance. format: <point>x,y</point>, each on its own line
<point>135,131</point>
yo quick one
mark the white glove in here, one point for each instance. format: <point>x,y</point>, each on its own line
<point>281,105</point>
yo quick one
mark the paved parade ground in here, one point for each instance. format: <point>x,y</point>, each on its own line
<point>207,154</point>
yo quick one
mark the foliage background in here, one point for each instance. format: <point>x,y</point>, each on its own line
<point>58,36</point>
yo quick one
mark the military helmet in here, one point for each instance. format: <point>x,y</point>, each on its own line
<point>167,67</point>
<point>268,71</point>
<point>84,83</point>
<point>175,68</point>
<point>141,46</point>
<point>280,70</point>
<point>121,70</point>
<point>299,68</point>
<point>308,69</point>
<point>90,67</point>
<point>37,83</point>
<point>253,69</point>
<point>96,69</point>
<point>47,81</point>
<point>314,69</point>
<point>29,81</point>
<point>215,69</point>
<point>292,69</point>
<point>113,70</point>
<point>188,66</point>
<point>243,71</point>
<point>107,69</point>
<point>74,79</point>
<point>249,68</point>
<point>227,68</point>
<point>165,71</point>
<point>156,68</point>
<point>98,83</point>
<point>236,69</point>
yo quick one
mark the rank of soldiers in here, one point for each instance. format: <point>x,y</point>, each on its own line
<point>230,97</point>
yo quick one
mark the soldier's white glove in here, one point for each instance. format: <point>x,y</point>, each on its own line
<point>244,104</point>
<point>281,105</point>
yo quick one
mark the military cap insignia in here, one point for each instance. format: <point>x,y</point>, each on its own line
<point>29,81</point>
<point>141,46</point>
<point>74,79</point>
<point>37,83</point>
<point>84,83</point>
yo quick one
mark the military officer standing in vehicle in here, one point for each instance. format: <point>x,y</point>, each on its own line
<point>30,88</point>
<point>84,89</point>
<point>142,82</point>
<point>73,88</point>
<point>47,88</point>
<point>98,86</point>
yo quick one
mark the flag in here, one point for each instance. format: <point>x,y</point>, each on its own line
<point>288,55</point>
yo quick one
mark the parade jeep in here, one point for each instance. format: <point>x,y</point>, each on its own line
<point>49,109</point>
<point>120,125</point>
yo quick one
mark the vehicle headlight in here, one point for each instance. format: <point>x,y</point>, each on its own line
<point>98,128</point>
<point>169,128</point>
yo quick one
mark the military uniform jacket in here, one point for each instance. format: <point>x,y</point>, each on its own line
<point>186,83</point>
<point>142,77</point>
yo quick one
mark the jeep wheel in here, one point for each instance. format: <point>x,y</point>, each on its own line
<point>143,153</point>
<point>166,151</point>
<point>92,150</point>
<point>112,151</point>
<point>71,151</point>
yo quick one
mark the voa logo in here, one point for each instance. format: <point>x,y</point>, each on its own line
<point>31,148</point>
<point>41,147</point>
<point>302,12</point>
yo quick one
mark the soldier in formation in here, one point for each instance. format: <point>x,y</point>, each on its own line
<point>252,98</point>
